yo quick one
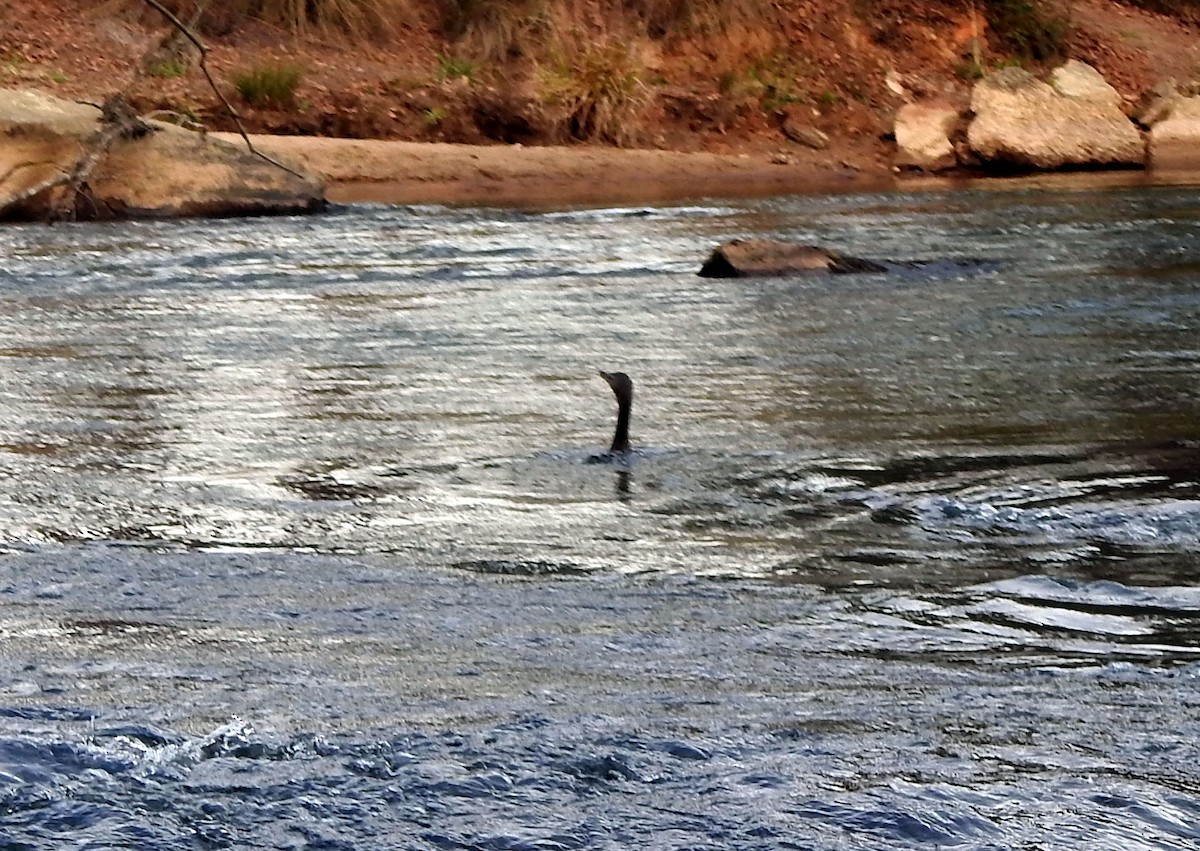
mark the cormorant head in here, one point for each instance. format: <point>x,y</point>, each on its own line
<point>621,384</point>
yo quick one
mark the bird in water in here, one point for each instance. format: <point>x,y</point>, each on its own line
<point>622,388</point>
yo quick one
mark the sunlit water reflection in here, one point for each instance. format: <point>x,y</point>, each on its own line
<point>902,560</point>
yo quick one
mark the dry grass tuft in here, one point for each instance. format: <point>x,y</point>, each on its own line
<point>598,93</point>
<point>590,74</point>
<point>1031,29</point>
<point>359,18</point>
<point>495,31</point>
<point>662,18</point>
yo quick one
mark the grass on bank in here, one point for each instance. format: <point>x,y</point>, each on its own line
<point>585,61</point>
<point>359,18</point>
<point>498,29</point>
<point>268,86</point>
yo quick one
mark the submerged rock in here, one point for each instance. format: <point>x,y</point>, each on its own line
<point>744,258</point>
<point>164,173</point>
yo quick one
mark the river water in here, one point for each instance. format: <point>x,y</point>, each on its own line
<point>300,548</point>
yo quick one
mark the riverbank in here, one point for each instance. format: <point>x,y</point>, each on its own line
<point>385,171</point>
<point>799,99</point>
<point>434,172</point>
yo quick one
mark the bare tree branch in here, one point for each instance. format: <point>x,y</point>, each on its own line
<point>20,167</point>
<point>203,65</point>
<point>118,121</point>
<point>179,119</point>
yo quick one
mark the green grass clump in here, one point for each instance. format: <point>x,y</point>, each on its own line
<point>772,78</point>
<point>455,68</point>
<point>167,69</point>
<point>268,85</point>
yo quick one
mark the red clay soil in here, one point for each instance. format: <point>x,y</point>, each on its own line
<point>845,74</point>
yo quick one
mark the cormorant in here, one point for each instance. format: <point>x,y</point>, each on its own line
<point>622,388</point>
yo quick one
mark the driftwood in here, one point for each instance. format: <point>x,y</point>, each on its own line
<point>118,121</point>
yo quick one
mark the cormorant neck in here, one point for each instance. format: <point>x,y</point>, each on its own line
<point>620,441</point>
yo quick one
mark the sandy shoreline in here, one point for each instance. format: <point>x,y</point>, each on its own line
<point>393,172</point>
<point>420,172</point>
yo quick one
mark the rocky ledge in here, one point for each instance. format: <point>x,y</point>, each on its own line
<point>61,158</point>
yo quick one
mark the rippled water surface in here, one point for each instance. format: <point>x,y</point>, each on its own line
<point>300,548</point>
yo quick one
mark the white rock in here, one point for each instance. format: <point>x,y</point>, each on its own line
<point>1075,79</point>
<point>923,133</point>
<point>1021,121</point>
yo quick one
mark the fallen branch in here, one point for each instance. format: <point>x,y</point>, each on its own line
<point>31,192</point>
<point>20,167</point>
<point>117,121</point>
<point>177,118</point>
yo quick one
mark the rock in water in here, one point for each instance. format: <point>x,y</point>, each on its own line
<point>745,258</point>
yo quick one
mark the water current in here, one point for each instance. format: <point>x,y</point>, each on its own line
<point>300,548</point>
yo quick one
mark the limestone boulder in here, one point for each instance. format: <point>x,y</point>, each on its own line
<point>1080,81</point>
<point>745,258</point>
<point>923,136</point>
<point>167,172</point>
<point>40,137</point>
<point>1023,122</point>
<point>1175,140</point>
